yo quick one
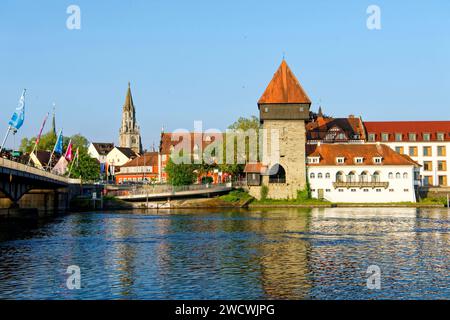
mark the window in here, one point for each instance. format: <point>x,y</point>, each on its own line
<point>398,137</point>
<point>427,166</point>
<point>442,165</point>
<point>340,176</point>
<point>378,190</point>
<point>405,175</point>
<point>353,190</point>
<point>441,150</point>
<point>351,177</point>
<point>391,175</point>
<point>413,151</point>
<point>391,190</point>
<point>313,159</point>
<point>327,190</point>
<point>365,190</point>
<point>377,160</point>
<point>427,151</point>
<point>327,175</point>
<point>364,177</point>
<point>359,160</point>
<point>385,137</point>
<point>412,136</point>
<point>397,175</point>
<point>372,137</point>
<point>319,175</point>
<point>427,180</point>
<point>440,136</point>
<point>426,137</point>
<point>312,175</point>
<point>399,150</point>
<point>376,177</point>
<point>340,190</point>
<point>406,190</point>
<point>443,180</point>
<point>340,160</point>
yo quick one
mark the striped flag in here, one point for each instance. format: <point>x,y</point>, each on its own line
<point>68,155</point>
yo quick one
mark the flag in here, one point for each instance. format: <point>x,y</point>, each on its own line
<point>42,128</point>
<point>68,155</point>
<point>61,166</point>
<point>59,143</point>
<point>19,115</point>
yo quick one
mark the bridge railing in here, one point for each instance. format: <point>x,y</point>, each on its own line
<point>31,170</point>
<point>164,189</point>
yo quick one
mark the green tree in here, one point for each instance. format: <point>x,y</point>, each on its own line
<point>85,168</point>
<point>180,174</point>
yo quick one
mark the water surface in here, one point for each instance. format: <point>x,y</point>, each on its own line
<point>264,254</point>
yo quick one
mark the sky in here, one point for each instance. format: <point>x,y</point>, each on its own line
<point>212,60</point>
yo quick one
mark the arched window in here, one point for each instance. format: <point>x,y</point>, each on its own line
<point>340,176</point>
<point>277,174</point>
<point>312,175</point>
<point>327,175</point>
<point>364,177</point>
<point>376,176</point>
<point>397,175</point>
<point>391,175</point>
<point>351,177</point>
<point>405,175</point>
<point>319,175</point>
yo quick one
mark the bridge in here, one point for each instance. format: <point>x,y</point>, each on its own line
<point>17,180</point>
<point>169,192</point>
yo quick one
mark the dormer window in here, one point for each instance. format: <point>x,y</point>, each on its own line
<point>412,136</point>
<point>385,136</point>
<point>377,160</point>
<point>426,137</point>
<point>372,137</point>
<point>398,137</point>
<point>359,160</point>
<point>440,136</point>
<point>313,159</point>
<point>340,160</point>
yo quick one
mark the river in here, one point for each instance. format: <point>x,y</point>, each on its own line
<point>258,254</point>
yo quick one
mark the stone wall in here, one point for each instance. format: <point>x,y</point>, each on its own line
<point>292,141</point>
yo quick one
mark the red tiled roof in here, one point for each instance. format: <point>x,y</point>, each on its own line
<point>406,127</point>
<point>167,142</point>
<point>150,158</point>
<point>351,126</point>
<point>284,88</point>
<point>255,168</point>
<point>329,152</point>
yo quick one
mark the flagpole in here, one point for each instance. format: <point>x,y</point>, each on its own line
<point>38,139</point>
<point>73,161</point>
<point>6,137</point>
<point>54,147</point>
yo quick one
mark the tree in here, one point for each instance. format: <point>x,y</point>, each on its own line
<point>86,168</point>
<point>180,174</point>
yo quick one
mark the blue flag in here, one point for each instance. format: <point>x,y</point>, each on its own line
<point>19,115</point>
<point>59,143</point>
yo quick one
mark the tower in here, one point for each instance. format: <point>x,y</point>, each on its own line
<point>284,108</point>
<point>129,134</point>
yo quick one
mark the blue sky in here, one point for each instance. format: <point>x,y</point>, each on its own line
<point>211,61</point>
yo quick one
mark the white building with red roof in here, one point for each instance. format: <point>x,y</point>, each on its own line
<point>361,173</point>
<point>426,142</point>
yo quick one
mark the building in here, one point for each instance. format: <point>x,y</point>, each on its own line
<point>197,145</point>
<point>141,169</point>
<point>129,134</point>
<point>335,130</point>
<point>100,150</point>
<point>426,142</point>
<point>365,173</point>
<point>119,156</point>
<point>283,110</point>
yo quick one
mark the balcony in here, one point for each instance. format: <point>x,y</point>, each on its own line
<point>361,184</point>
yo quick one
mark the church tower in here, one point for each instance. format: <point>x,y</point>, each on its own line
<point>129,134</point>
<point>284,108</point>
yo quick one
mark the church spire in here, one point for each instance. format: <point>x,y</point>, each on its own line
<point>128,105</point>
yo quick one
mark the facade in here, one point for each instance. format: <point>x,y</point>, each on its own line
<point>100,150</point>
<point>427,142</point>
<point>364,173</point>
<point>196,143</point>
<point>119,156</point>
<point>283,110</point>
<point>129,134</point>
<point>141,169</point>
<point>335,130</point>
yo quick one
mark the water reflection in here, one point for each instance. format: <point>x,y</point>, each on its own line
<point>264,254</point>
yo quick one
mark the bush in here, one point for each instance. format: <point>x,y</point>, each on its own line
<point>305,194</point>
<point>264,192</point>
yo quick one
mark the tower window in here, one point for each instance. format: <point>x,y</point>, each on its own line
<point>278,174</point>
